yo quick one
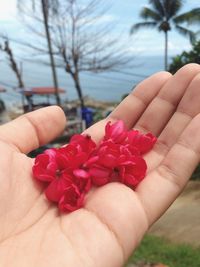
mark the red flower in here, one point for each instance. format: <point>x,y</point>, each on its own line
<point>143,142</point>
<point>117,162</point>
<point>108,153</point>
<point>82,180</point>
<point>106,159</point>
<point>77,152</point>
<point>57,187</point>
<point>72,156</point>
<point>132,170</point>
<point>59,168</point>
<point>72,199</point>
<point>83,143</point>
<point>45,166</point>
<point>117,132</point>
<point>69,171</point>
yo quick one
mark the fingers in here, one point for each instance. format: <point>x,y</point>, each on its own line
<point>187,108</point>
<point>160,188</point>
<point>165,103</point>
<point>131,108</point>
<point>33,129</point>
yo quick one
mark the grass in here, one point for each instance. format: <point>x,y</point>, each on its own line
<point>158,250</point>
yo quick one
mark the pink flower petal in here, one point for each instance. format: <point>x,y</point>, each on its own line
<point>91,161</point>
<point>81,173</point>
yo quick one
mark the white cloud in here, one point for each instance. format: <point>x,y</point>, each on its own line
<point>8,10</point>
<point>107,18</point>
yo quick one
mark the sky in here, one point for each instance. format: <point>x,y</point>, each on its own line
<point>123,14</point>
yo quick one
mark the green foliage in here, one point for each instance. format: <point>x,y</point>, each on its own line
<point>98,115</point>
<point>191,17</point>
<point>157,250</point>
<point>184,58</point>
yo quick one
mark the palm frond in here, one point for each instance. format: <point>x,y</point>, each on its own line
<point>158,6</point>
<point>137,26</point>
<point>148,13</point>
<point>191,17</point>
<point>172,7</point>
<point>185,32</point>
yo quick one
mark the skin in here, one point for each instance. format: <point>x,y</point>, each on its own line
<point>115,218</point>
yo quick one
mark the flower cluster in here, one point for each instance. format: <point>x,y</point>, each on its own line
<point>70,171</point>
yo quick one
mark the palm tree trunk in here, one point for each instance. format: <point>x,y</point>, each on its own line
<point>44,10</point>
<point>166,50</point>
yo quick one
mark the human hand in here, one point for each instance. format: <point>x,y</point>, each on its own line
<point>115,218</point>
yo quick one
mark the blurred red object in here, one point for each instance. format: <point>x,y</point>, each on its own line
<point>41,91</point>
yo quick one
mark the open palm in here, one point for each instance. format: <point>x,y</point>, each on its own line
<point>114,219</point>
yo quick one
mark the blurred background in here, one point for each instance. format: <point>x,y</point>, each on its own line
<point>86,56</point>
<point>91,49</point>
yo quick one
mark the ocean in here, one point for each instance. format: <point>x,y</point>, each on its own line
<point>107,86</point>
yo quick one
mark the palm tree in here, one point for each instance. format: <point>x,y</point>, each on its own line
<point>163,15</point>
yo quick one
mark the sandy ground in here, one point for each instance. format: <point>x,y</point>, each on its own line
<point>181,223</point>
